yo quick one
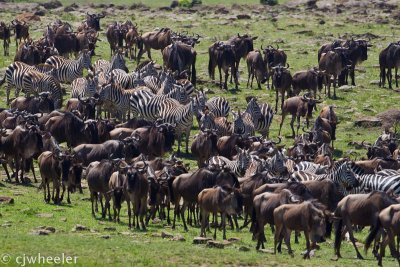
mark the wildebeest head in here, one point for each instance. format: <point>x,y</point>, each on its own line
<point>93,20</point>
<point>279,75</point>
<point>311,104</point>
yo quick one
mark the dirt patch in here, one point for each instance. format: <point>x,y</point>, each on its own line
<point>389,117</point>
<point>28,17</point>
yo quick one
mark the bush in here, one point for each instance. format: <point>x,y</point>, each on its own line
<point>269,2</point>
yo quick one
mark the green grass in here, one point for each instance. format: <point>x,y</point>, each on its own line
<point>138,248</point>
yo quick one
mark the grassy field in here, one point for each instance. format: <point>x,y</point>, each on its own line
<point>300,33</point>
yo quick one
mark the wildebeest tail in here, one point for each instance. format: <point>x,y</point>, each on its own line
<point>372,234</point>
<point>210,67</point>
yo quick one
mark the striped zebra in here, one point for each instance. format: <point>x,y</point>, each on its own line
<point>148,105</point>
<point>219,106</point>
<point>276,164</point>
<point>187,85</point>
<point>311,167</point>
<point>126,80</point>
<point>117,99</point>
<point>117,62</point>
<point>377,182</point>
<point>35,82</point>
<point>15,73</point>
<point>263,124</point>
<point>238,166</point>
<point>341,173</point>
<point>171,111</point>
<point>67,70</point>
<point>220,124</point>
<point>244,123</point>
<point>84,87</point>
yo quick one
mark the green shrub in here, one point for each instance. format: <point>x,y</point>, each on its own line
<point>269,2</point>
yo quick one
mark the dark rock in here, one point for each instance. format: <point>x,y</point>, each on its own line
<point>40,12</point>
<point>243,248</point>
<point>178,237</point>
<point>79,227</point>
<point>6,200</point>
<point>215,244</point>
<point>243,16</point>
<point>165,234</point>
<point>52,4</point>
<point>201,240</point>
<point>174,4</point>
<point>368,122</point>
<point>105,236</point>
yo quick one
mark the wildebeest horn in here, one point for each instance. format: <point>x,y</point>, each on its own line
<point>364,145</point>
<point>287,66</point>
<point>275,143</point>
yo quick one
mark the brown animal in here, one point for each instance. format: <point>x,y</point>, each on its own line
<point>389,220</point>
<point>256,68</point>
<point>328,113</point>
<point>298,106</point>
<point>21,30</point>
<point>5,35</point>
<point>282,81</point>
<point>116,185</point>
<point>136,188</point>
<point>225,201</point>
<point>299,217</point>
<point>131,40</point>
<point>224,57</point>
<point>361,210</point>
<point>311,80</point>
<point>157,40</point>
<point>263,211</point>
<point>204,146</point>
<point>333,63</point>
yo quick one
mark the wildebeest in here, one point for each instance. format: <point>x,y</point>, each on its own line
<point>136,189</point>
<point>333,63</point>
<point>21,31</point>
<point>298,106</point>
<point>329,114</point>
<point>282,81</point>
<point>40,104</point>
<point>204,146</point>
<point>86,106</point>
<point>392,61</point>
<point>226,201</point>
<point>361,210</point>
<point>224,56</point>
<point>71,129</point>
<point>158,40</point>
<point>305,217</point>
<point>311,80</point>
<point>263,209</point>
<point>5,35</point>
<point>389,220</point>
<point>93,21</point>
<point>256,68</point>
<point>115,36</point>
<point>179,57</point>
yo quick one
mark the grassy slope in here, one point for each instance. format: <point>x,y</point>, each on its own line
<point>123,249</point>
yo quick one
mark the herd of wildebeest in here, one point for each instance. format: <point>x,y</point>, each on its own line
<point>117,126</point>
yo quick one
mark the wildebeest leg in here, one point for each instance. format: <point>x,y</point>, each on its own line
<point>48,193</point>
<point>226,78</point>
<point>6,170</point>
<point>128,203</point>
<point>250,74</point>
<point>287,234</point>
<point>220,77</point>
<point>62,193</point>
<point>276,100</point>
<point>389,77</point>
<point>277,237</point>
<point>223,220</point>
<point>204,217</point>
<point>283,97</point>
<point>143,209</point>
<point>292,127</point>
<point>68,199</point>
<point>184,206</point>
<point>306,236</point>
<point>296,237</point>
<point>353,241</point>
<point>176,211</point>
<point>33,171</point>
<point>395,76</point>
<point>215,222</point>
<point>17,167</point>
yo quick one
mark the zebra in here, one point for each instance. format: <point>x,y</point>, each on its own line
<point>238,166</point>
<point>219,106</point>
<point>171,111</point>
<point>311,167</point>
<point>84,87</point>
<point>276,164</point>
<point>117,62</point>
<point>125,80</point>
<point>220,124</point>
<point>117,98</point>
<point>187,85</point>
<point>35,82</point>
<point>245,123</point>
<point>263,124</point>
<point>67,70</point>
<point>341,173</point>
<point>15,73</point>
<point>376,182</point>
<point>148,105</point>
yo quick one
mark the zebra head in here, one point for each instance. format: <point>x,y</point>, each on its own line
<point>277,164</point>
<point>201,99</point>
<point>346,177</point>
<point>85,59</point>
<point>118,61</point>
<point>206,120</point>
<point>238,123</point>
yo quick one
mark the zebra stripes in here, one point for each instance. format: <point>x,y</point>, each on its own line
<point>220,124</point>
<point>341,173</point>
<point>219,106</point>
<point>84,87</point>
<point>238,166</point>
<point>67,70</point>
<point>377,182</point>
<point>117,62</point>
<point>310,167</point>
<point>263,124</point>
<point>35,82</point>
<point>15,73</point>
<point>276,165</point>
<point>245,123</point>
